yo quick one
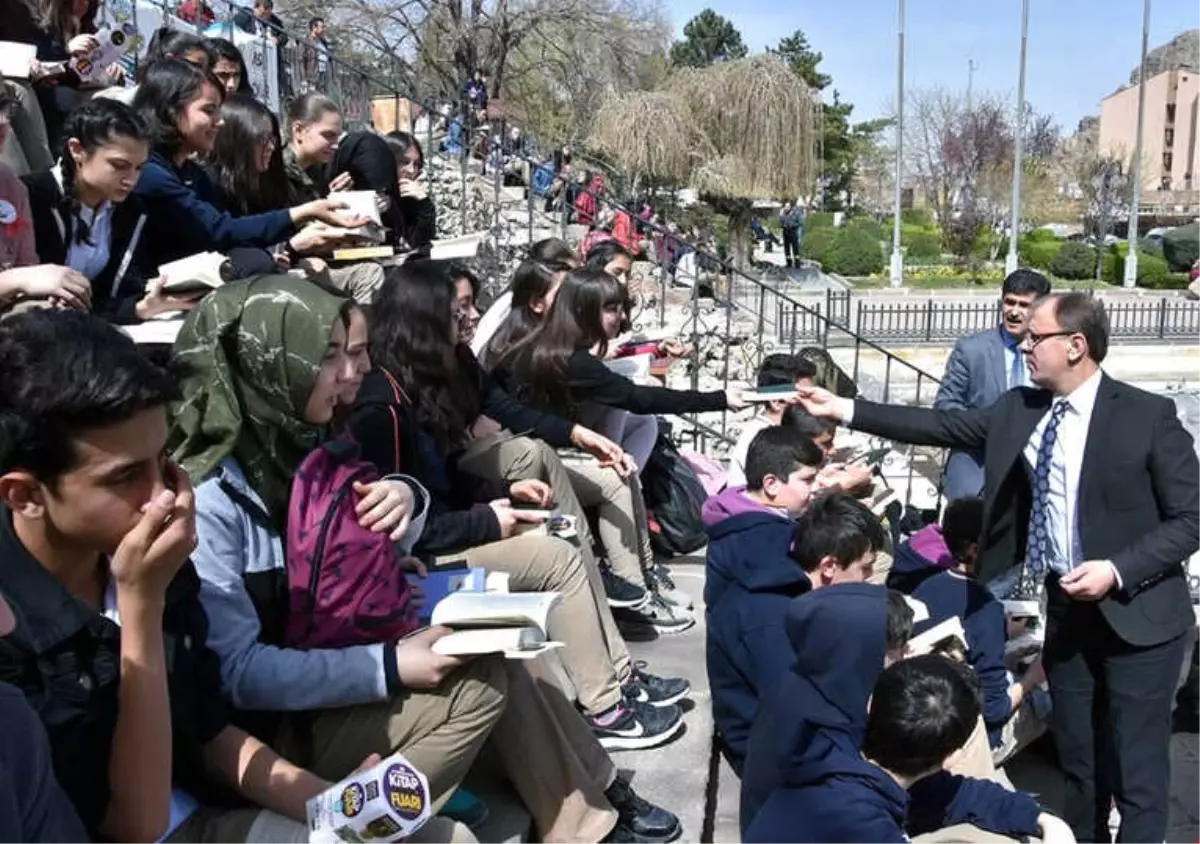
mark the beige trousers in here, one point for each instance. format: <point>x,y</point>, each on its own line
<point>620,510</point>
<point>547,564</point>
<point>505,457</point>
<point>1021,730</point>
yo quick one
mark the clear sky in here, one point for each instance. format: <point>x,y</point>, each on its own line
<point>1079,50</point>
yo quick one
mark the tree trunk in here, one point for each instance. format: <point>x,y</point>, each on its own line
<point>739,236</point>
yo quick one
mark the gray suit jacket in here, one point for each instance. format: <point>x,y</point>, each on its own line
<point>976,377</point>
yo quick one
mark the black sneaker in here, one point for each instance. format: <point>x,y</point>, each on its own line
<point>656,613</point>
<point>658,578</point>
<point>620,592</point>
<point>639,819</point>
<point>641,687</point>
<point>636,726</point>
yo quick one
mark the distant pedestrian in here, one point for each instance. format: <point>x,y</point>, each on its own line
<point>791,221</point>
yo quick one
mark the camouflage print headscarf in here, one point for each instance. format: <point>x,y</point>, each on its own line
<point>251,353</point>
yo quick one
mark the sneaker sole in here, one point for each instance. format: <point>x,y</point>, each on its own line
<point>617,603</point>
<point>666,839</point>
<point>666,629</point>
<point>640,742</point>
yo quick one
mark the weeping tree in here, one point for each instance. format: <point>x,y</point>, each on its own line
<point>735,131</point>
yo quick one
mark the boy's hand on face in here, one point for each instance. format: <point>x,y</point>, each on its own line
<point>153,552</point>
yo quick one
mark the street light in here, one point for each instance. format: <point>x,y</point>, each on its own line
<point>1010,261</point>
<point>897,267</point>
<point>1131,261</point>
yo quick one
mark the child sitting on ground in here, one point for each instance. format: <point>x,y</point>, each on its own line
<point>776,370</point>
<point>936,567</point>
<point>921,713</point>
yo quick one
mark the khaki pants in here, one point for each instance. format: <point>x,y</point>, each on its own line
<point>975,758</point>
<point>253,825</point>
<point>552,758</point>
<point>1021,730</point>
<point>963,832</point>
<point>881,569</point>
<point>362,280</point>
<point>505,457</point>
<point>439,731</point>
<point>548,564</point>
<point>621,513</point>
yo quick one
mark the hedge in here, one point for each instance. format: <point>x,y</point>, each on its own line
<point>1153,272</point>
<point>818,220</point>
<point>920,243</point>
<point>1074,260</point>
<point>854,252</point>
<point>816,244</point>
<point>1037,252</point>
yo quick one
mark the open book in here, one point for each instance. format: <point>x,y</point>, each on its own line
<point>447,579</point>
<point>512,623</point>
<point>194,273</point>
<point>948,635</point>
<point>451,248</point>
<point>15,58</point>
<point>154,332</point>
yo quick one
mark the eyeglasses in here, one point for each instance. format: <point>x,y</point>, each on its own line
<point>1035,339</point>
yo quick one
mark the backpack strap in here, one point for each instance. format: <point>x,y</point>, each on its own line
<point>399,397</point>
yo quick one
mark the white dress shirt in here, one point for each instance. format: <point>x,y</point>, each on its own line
<point>1064,549</point>
<point>88,257</point>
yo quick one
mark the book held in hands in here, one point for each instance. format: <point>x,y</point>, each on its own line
<point>511,623</point>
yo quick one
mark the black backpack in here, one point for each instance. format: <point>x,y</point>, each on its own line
<point>674,495</point>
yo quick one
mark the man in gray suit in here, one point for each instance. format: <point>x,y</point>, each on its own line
<point>982,368</point>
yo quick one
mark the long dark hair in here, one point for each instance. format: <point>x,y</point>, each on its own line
<point>530,283</point>
<point>223,48</point>
<point>411,325</point>
<point>93,124</point>
<point>167,43</point>
<point>575,322</point>
<point>247,123</point>
<point>554,250</point>
<point>169,85</point>
<point>400,143</point>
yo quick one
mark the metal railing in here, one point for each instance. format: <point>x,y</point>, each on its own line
<point>732,318</point>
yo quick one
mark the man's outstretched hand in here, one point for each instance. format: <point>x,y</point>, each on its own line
<point>822,404</point>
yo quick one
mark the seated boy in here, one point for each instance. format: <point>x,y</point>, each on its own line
<point>935,566</point>
<point>33,806</point>
<point>775,370</point>
<point>854,478</point>
<point>751,578</point>
<point>839,639</point>
<point>922,711</point>
<point>110,650</point>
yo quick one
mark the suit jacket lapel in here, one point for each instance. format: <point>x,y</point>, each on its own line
<point>1097,434</point>
<point>1033,406</point>
<point>999,366</point>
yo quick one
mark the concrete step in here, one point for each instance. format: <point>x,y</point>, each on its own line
<point>676,776</point>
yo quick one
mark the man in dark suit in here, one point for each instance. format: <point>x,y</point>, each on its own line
<point>1092,490</point>
<point>984,366</point>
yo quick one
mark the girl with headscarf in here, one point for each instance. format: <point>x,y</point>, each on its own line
<point>268,365</point>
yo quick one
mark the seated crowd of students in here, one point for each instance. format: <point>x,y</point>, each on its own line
<point>837,728</point>
<point>145,534</point>
<point>148,529</point>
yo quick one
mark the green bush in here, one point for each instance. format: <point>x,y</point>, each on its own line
<point>1150,245</point>
<point>871,227</point>
<point>818,220</point>
<point>920,243</point>
<point>816,244</point>
<point>854,252</point>
<point>1039,236</point>
<point>1153,271</point>
<point>1171,281</point>
<point>1074,261</point>
<point>1037,252</point>
<point>918,217</point>
<point>1181,247</point>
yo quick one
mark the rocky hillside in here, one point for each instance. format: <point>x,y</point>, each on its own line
<point>1181,52</point>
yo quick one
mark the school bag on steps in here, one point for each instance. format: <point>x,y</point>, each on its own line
<point>674,496</point>
<point>345,584</point>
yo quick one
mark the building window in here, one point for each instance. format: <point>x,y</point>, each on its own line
<point>1169,137</point>
<point>1166,183</point>
<point>1170,112</point>
<point>1168,159</point>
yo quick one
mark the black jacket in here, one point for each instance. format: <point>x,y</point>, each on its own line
<point>588,379</point>
<point>243,19</point>
<point>389,432</point>
<point>119,286</point>
<point>65,657</point>
<point>1139,493</point>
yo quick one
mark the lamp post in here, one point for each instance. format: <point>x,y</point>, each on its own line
<point>1131,261</point>
<point>1010,261</point>
<point>897,267</point>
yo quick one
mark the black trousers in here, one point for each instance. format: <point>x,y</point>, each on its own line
<point>1111,720</point>
<point>791,246</point>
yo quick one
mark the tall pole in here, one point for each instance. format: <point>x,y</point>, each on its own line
<point>971,68</point>
<point>1014,233</point>
<point>897,266</point>
<point>1131,261</point>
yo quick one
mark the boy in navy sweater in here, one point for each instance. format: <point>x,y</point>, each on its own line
<point>922,712</point>
<point>935,567</point>
<point>758,561</point>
